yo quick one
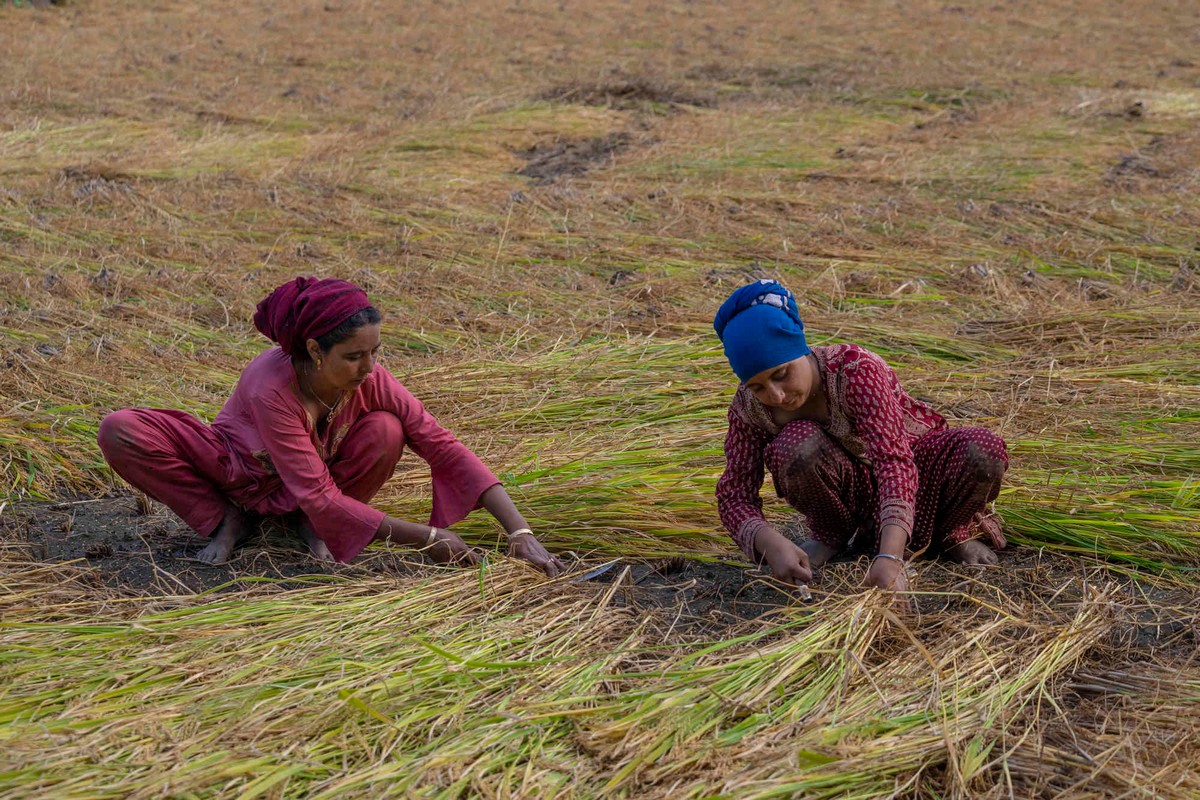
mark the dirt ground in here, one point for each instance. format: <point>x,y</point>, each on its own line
<point>149,551</point>
<point>142,551</point>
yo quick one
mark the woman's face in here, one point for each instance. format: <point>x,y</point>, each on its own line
<point>787,386</point>
<point>348,363</point>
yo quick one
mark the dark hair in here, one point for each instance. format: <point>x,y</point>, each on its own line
<point>345,329</point>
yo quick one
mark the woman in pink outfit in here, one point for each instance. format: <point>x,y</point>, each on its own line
<point>314,428</point>
<point>872,469</point>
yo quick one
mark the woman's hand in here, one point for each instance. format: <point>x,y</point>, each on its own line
<point>787,562</point>
<point>448,547</point>
<point>887,574</point>
<point>527,548</point>
<point>521,542</point>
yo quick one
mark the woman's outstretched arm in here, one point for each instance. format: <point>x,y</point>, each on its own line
<point>521,541</point>
<point>447,547</point>
<point>442,544</point>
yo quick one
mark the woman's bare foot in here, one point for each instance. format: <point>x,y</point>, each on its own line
<point>318,548</point>
<point>973,551</point>
<point>229,534</point>
<point>818,552</point>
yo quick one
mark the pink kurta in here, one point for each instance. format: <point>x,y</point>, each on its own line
<point>279,463</point>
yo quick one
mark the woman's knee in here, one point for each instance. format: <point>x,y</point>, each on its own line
<point>797,449</point>
<point>383,432</point>
<point>116,435</point>
<point>985,455</point>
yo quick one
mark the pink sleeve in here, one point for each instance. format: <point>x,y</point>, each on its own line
<point>343,523</point>
<point>874,406</point>
<point>738,501</point>
<point>459,477</point>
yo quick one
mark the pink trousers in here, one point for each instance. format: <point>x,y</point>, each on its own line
<point>186,465</point>
<point>959,472</point>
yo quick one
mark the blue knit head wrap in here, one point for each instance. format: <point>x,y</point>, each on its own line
<point>760,327</point>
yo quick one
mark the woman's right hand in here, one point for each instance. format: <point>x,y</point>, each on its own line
<point>888,575</point>
<point>786,560</point>
<point>448,547</point>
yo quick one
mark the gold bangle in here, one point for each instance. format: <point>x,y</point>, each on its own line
<point>431,537</point>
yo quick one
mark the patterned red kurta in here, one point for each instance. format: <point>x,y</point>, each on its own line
<point>876,424</point>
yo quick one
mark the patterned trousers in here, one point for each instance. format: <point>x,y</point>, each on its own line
<point>959,472</point>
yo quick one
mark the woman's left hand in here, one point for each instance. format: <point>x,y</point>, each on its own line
<point>524,546</point>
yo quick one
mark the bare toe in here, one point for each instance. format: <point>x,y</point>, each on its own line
<point>316,545</point>
<point>213,553</point>
<point>973,553</point>
<point>818,553</point>
<point>320,551</point>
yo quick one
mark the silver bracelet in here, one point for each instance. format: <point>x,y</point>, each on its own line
<point>889,556</point>
<point>518,532</point>
<point>433,532</point>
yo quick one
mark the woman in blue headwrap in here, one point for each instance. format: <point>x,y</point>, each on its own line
<point>871,468</point>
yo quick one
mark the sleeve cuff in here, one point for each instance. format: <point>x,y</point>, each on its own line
<point>744,538</point>
<point>899,515</point>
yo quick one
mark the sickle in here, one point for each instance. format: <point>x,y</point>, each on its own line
<point>596,572</point>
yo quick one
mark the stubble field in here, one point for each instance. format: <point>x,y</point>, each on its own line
<point>548,201</point>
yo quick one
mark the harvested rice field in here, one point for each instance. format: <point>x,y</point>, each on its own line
<point>549,200</point>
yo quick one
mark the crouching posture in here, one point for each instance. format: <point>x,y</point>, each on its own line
<point>312,431</point>
<point>871,468</point>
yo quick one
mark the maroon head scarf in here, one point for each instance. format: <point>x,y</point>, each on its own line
<point>307,308</point>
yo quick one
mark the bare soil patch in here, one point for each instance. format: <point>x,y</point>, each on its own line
<point>635,93</point>
<point>154,553</point>
<point>1159,618</point>
<point>1172,158</point>
<point>549,161</point>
